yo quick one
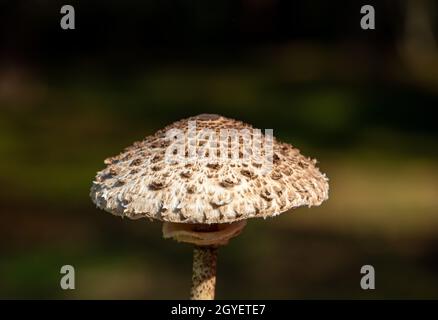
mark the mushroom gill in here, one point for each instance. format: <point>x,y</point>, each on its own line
<point>217,234</point>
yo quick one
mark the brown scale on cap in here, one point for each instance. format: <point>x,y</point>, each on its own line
<point>155,184</point>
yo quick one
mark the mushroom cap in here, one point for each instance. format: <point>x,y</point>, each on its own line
<point>142,181</point>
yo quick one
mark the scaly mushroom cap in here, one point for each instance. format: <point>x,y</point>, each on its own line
<point>141,182</point>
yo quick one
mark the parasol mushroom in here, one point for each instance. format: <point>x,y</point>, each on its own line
<point>175,176</point>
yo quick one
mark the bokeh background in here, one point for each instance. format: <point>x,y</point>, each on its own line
<point>364,103</point>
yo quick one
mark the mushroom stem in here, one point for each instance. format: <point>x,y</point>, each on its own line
<point>204,273</point>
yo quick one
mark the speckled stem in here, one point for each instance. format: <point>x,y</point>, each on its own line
<point>204,273</point>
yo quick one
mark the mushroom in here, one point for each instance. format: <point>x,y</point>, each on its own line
<point>201,198</point>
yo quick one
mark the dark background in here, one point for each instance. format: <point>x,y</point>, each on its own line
<point>362,102</point>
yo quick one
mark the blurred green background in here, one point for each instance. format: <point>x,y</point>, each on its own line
<point>364,103</point>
